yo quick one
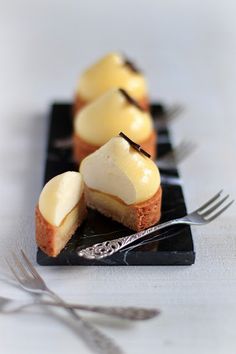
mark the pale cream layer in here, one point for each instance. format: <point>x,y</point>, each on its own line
<point>110,72</point>
<point>59,196</point>
<point>119,170</point>
<point>110,114</point>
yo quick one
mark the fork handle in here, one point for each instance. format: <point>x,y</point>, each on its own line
<point>98,341</point>
<point>129,313</point>
<point>107,248</point>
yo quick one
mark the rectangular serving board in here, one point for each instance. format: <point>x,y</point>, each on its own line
<point>171,246</point>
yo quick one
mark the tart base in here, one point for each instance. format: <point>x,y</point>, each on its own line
<point>82,149</point>
<point>52,239</point>
<point>137,217</point>
<point>79,103</point>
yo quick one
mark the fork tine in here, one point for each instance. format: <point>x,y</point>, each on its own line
<point>183,155</point>
<point>215,206</point>
<point>30,266</point>
<point>174,108</point>
<point>220,211</point>
<point>13,271</point>
<point>188,146</point>
<point>180,147</point>
<point>173,112</point>
<point>210,201</point>
<point>20,265</point>
<point>178,153</point>
<point>183,150</point>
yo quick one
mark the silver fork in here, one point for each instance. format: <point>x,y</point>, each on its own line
<point>30,280</point>
<point>9,306</point>
<point>206,213</point>
<point>176,155</point>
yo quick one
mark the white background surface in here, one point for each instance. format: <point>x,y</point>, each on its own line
<point>188,51</point>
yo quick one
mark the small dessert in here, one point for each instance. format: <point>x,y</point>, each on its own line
<point>123,183</point>
<point>60,211</point>
<point>111,71</point>
<point>104,118</point>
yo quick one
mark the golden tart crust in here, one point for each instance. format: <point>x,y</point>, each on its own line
<point>137,217</point>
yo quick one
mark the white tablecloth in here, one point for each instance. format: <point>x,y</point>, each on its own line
<point>188,51</point>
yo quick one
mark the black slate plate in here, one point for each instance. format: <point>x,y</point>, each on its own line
<point>172,246</point>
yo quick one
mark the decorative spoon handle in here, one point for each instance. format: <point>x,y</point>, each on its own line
<point>107,248</point>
